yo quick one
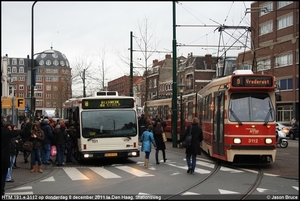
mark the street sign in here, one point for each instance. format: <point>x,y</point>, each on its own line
<point>19,103</point>
<point>6,103</point>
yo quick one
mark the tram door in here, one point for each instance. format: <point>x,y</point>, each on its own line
<point>218,137</point>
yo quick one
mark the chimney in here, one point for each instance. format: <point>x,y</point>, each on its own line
<point>168,56</point>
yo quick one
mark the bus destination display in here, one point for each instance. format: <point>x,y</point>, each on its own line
<point>107,103</point>
<point>252,81</point>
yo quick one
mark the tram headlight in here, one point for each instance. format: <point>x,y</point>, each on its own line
<point>268,141</point>
<point>237,141</point>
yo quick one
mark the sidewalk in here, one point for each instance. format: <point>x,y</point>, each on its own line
<point>23,175</point>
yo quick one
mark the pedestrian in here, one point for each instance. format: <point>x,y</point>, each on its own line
<point>37,138</point>
<point>46,145</point>
<point>147,138</point>
<point>158,130</point>
<point>142,124</point>
<point>18,145</point>
<point>60,140</point>
<point>71,138</point>
<point>194,150</point>
<point>26,136</point>
<point>6,136</point>
<point>12,153</point>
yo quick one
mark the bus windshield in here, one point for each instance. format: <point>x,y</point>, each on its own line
<point>108,123</point>
<point>251,107</point>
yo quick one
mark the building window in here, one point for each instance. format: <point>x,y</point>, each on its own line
<point>266,8</point>
<point>48,95</point>
<point>39,86</point>
<point>21,61</point>
<point>284,113</point>
<point>286,84</point>
<point>48,103</point>
<point>264,65</point>
<point>14,70</point>
<point>21,87</point>
<point>48,79</point>
<point>39,78</point>
<point>48,87</point>
<point>284,22</point>
<point>38,102</point>
<point>21,70</point>
<point>21,78</point>
<point>281,4</point>
<point>284,60</point>
<point>38,95</point>
<point>21,94</point>
<point>154,83</point>
<point>266,28</point>
<point>14,62</point>
<point>297,56</point>
<point>55,88</point>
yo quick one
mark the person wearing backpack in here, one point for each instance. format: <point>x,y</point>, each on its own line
<point>194,149</point>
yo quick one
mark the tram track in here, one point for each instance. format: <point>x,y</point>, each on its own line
<point>212,175</point>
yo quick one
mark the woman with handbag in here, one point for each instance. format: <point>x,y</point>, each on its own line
<point>37,137</point>
<point>26,136</point>
<point>158,131</point>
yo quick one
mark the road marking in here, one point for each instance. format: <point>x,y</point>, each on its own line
<point>134,171</point>
<point>105,173</point>
<point>75,174</point>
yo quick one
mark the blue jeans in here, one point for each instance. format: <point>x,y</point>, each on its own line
<point>191,164</point>
<point>147,155</point>
<point>12,159</point>
<point>46,152</point>
<point>61,148</point>
<point>36,155</point>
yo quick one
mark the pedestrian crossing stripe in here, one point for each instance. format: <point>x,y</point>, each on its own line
<point>134,171</point>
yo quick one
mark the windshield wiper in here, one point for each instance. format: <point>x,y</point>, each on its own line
<point>267,117</point>
<point>235,117</point>
<point>91,138</point>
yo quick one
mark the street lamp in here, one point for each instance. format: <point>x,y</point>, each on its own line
<point>32,65</point>
<point>181,87</point>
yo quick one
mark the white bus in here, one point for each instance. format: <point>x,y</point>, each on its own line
<point>106,125</point>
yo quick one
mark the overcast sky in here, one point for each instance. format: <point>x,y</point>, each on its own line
<point>88,29</point>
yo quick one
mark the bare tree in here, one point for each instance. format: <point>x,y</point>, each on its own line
<point>102,69</point>
<point>147,46</point>
<point>82,71</point>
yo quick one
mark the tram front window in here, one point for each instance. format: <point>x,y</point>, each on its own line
<point>251,107</point>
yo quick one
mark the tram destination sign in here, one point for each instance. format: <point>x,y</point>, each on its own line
<point>252,81</point>
<point>107,103</point>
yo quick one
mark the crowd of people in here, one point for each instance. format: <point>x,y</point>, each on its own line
<point>151,130</point>
<point>43,133</point>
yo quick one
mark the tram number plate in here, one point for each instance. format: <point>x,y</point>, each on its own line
<point>111,154</point>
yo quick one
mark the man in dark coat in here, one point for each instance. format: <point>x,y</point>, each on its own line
<point>194,150</point>
<point>46,144</point>
<point>6,136</point>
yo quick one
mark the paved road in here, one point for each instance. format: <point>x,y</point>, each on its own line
<point>286,165</point>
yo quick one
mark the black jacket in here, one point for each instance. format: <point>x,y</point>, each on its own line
<point>6,136</point>
<point>197,137</point>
